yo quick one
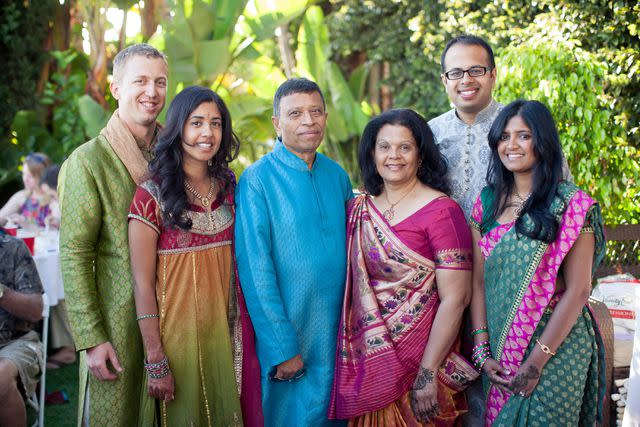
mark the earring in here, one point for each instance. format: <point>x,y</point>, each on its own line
<point>210,163</point>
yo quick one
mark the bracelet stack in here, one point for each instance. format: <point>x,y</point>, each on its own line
<point>157,370</point>
<point>479,331</point>
<point>481,352</point>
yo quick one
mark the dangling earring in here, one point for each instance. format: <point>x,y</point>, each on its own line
<point>419,167</point>
<point>210,163</point>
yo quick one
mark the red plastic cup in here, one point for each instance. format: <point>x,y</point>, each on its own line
<point>30,241</point>
<point>11,230</point>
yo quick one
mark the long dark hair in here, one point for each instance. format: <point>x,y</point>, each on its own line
<point>547,172</point>
<point>166,166</point>
<point>433,168</point>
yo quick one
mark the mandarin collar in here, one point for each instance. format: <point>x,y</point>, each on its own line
<point>486,114</point>
<point>283,154</point>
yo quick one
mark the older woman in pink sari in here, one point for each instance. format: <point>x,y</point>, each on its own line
<point>408,282</point>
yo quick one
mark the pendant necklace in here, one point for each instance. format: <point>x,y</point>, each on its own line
<point>204,201</point>
<point>389,213</point>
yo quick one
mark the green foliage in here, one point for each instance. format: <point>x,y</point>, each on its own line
<point>23,29</point>
<point>62,91</point>
<point>197,41</point>
<point>64,130</point>
<point>570,82</point>
<point>557,52</point>
<point>347,117</point>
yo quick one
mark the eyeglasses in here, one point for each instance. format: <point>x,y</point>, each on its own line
<point>457,73</point>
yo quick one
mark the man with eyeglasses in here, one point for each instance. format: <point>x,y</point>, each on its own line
<point>469,76</point>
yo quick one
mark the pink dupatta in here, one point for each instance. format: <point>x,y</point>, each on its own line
<point>388,310</point>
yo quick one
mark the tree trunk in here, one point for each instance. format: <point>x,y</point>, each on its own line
<point>122,41</point>
<point>385,91</point>
<point>95,20</point>
<point>151,13</point>
<point>374,85</point>
<point>284,43</point>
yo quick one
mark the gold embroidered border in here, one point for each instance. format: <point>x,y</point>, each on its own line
<point>144,220</point>
<point>194,248</point>
<point>524,284</point>
<point>474,224</point>
<point>162,319</point>
<point>461,257</point>
<point>235,329</point>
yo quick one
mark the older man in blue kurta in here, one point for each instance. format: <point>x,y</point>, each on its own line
<point>290,246</point>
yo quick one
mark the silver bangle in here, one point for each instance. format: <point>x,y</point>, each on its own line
<point>146,316</point>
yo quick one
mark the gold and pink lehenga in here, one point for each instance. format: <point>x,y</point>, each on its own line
<point>390,302</point>
<point>520,276</point>
<point>204,326</point>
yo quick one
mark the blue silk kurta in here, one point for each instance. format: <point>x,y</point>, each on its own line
<point>290,248</point>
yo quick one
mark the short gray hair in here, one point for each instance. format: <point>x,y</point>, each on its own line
<point>140,49</point>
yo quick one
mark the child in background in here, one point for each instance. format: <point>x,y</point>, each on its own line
<point>49,186</point>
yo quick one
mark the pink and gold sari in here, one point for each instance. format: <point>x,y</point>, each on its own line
<point>390,301</point>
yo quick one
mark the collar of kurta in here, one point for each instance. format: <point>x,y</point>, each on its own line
<point>484,115</point>
<point>126,148</point>
<point>282,153</point>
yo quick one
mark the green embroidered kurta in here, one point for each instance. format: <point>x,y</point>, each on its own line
<point>95,193</point>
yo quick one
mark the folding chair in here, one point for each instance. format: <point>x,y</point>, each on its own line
<point>37,403</point>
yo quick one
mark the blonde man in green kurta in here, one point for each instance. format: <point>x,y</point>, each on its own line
<point>97,184</point>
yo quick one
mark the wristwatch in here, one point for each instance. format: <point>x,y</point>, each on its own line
<point>1,290</point>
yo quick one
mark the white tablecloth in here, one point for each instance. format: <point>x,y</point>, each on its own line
<point>632,411</point>
<point>48,265</point>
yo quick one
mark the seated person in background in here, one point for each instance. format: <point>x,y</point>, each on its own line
<point>49,186</point>
<point>30,206</point>
<point>20,346</point>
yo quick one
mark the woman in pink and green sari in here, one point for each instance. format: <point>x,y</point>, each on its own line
<point>408,282</point>
<point>536,241</point>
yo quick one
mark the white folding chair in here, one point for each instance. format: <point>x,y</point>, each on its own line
<point>37,403</point>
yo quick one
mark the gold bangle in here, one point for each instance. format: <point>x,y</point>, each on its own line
<point>545,348</point>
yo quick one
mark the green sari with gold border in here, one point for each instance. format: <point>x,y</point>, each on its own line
<point>520,290</point>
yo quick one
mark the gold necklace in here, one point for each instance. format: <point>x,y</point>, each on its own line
<point>389,213</point>
<point>519,205</point>
<point>204,201</point>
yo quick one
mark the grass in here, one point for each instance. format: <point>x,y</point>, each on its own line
<point>63,415</point>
